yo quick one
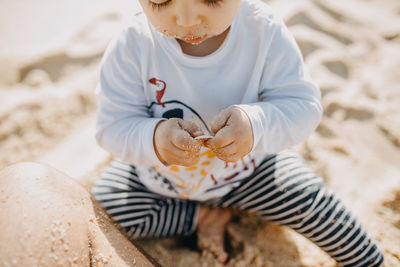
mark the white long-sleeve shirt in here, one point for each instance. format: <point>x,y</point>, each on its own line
<point>146,77</point>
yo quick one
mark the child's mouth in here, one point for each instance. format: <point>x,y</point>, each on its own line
<point>194,39</point>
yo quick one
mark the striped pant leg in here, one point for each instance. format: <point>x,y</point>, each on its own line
<point>139,211</point>
<point>284,191</point>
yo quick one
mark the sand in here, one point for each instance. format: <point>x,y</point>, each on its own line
<point>49,59</point>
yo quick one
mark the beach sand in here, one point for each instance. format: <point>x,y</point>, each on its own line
<point>49,59</point>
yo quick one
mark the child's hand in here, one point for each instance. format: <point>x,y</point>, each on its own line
<point>233,135</point>
<point>174,142</point>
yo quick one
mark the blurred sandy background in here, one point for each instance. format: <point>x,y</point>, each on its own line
<point>49,59</point>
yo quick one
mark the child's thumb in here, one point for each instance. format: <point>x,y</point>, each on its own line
<point>192,128</point>
<point>220,121</point>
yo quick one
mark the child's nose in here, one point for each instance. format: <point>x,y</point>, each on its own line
<point>187,16</point>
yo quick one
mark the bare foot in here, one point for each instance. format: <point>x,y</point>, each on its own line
<point>211,227</point>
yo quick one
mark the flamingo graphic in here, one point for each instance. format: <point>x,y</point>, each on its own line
<point>160,93</point>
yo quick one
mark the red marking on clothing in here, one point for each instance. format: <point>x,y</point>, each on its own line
<point>232,176</point>
<point>244,164</point>
<point>213,178</point>
<point>234,166</point>
<point>226,164</point>
<point>160,93</point>
<point>254,163</point>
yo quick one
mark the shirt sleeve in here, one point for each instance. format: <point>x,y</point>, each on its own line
<point>290,102</point>
<point>124,126</point>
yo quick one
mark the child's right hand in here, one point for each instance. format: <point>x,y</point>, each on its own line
<point>174,142</point>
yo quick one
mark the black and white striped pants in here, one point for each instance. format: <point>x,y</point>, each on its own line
<point>281,190</point>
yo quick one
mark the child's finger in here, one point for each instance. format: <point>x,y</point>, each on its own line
<point>220,121</point>
<point>175,151</point>
<point>175,155</point>
<point>222,139</point>
<point>186,142</point>
<point>227,150</point>
<point>192,128</point>
<point>230,158</point>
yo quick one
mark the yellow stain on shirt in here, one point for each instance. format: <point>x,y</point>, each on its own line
<point>183,195</point>
<point>174,168</point>
<point>198,172</point>
<point>208,153</point>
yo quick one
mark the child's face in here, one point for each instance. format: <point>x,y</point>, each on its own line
<point>192,21</point>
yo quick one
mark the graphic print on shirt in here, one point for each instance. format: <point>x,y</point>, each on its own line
<point>209,171</point>
<point>160,93</point>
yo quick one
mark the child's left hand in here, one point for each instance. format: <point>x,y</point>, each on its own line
<point>233,135</point>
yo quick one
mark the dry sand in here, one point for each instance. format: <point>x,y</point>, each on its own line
<point>49,58</point>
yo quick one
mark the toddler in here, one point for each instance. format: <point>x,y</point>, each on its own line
<point>199,100</point>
